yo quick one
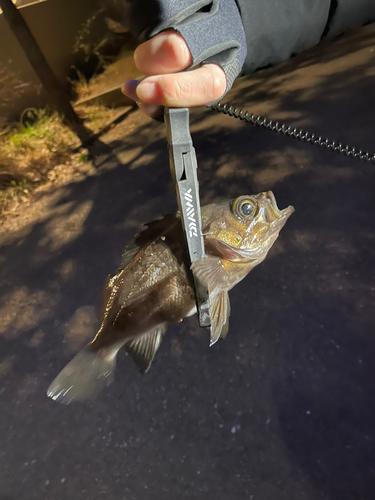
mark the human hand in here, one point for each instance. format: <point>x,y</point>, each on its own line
<point>163,59</point>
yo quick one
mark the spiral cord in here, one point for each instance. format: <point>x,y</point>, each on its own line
<point>295,133</point>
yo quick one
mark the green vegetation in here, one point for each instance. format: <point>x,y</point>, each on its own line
<point>31,149</point>
<point>42,138</point>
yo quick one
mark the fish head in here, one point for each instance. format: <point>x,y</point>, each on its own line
<point>244,229</point>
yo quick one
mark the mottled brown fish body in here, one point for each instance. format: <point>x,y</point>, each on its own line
<point>153,287</point>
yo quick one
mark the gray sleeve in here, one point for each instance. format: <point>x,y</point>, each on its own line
<point>212,29</point>
<point>277,29</point>
<point>346,14</point>
<point>247,34</point>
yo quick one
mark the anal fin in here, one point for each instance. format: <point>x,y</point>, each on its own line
<point>143,349</point>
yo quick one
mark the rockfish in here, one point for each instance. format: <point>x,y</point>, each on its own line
<point>153,287</point>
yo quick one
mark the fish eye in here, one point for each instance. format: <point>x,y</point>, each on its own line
<point>244,207</point>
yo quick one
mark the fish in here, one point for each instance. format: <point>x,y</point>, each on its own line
<point>153,287</point>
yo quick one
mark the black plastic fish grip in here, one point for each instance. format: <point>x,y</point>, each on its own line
<point>183,164</point>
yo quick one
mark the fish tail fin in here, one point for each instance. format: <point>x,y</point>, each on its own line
<point>85,376</point>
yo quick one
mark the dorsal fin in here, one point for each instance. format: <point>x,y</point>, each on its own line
<point>143,349</point>
<point>129,254</point>
<point>150,232</point>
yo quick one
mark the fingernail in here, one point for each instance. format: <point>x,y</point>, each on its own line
<point>146,91</point>
<point>129,86</point>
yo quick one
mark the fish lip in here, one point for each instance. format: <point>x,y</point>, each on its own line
<point>287,212</point>
<point>278,224</point>
<point>271,197</point>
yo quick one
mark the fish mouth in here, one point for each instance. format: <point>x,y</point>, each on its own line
<point>284,214</point>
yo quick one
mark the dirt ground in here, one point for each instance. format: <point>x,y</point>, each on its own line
<point>283,409</point>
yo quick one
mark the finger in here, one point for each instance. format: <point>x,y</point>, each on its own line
<point>190,88</point>
<point>164,53</point>
<point>129,89</point>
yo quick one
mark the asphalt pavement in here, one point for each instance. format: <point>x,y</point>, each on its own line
<point>284,408</point>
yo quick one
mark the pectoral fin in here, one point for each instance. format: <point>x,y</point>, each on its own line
<point>210,271</point>
<point>220,312</point>
<point>143,349</point>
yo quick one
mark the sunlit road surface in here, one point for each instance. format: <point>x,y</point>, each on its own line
<point>284,408</point>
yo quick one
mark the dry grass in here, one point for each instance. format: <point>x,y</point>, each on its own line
<point>28,147</point>
<point>81,86</point>
<point>28,152</point>
<point>96,116</point>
